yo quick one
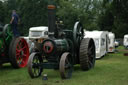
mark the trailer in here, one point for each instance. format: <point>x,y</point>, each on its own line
<point>38,32</point>
<point>101,42</point>
<point>125,41</point>
<point>111,42</point>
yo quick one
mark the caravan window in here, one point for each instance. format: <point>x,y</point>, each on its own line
<point>102,41</point>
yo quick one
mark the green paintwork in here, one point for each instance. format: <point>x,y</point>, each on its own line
<point>62,45</point>
<point>6,36</point>
<point>9,35</point>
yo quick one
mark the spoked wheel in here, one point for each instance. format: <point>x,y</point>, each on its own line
<point>19,53</point>
<point>66,66</point>
<point>78,34</point>
<point>87,54</point>
<point>34,65</point>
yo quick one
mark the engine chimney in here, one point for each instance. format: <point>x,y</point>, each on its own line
<point>51,20</point>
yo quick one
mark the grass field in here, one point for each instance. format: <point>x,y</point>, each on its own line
<point>110,70</point>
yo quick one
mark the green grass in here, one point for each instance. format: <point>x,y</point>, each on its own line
<point>110,70</point>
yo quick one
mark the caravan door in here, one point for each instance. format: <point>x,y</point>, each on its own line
<point>103,46</point>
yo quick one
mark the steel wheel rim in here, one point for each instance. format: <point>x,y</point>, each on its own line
<point>22,53</point>
<point>66,66</point>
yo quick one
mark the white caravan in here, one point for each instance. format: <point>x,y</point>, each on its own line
<point>125,41</point>
<point>111,41</point>
<point>101,41</point>
<point>37,34</point>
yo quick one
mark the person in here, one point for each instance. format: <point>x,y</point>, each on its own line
<point>14,23</point>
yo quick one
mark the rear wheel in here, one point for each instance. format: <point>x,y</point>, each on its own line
<point>66,66</point>
<point>19,53</point>
<point>87,54</point>
<point>34,65</point>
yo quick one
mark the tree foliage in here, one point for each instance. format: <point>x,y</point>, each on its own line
<point>114,17</point>
<point>108,15</point>
<point>2,12</point>
<point>34,13</point>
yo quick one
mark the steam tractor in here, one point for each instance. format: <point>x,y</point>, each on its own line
<point>12,49</point>
<point>62,49</point>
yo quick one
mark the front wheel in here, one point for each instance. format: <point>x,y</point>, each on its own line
<point>66,66</point>
<point>34,65</point>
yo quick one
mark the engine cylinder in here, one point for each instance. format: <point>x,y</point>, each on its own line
<point>55,47</point>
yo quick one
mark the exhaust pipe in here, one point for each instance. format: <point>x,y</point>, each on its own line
<point>51,20</point>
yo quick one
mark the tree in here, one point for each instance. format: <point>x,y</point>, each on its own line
<point>85,10</point>
<point>2,12</point>
<point>114,17</point>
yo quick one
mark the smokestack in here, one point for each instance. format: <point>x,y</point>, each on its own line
<point>51,19</point>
